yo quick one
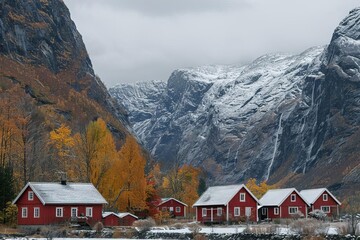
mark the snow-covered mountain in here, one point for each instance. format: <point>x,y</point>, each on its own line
<point>285,118</point>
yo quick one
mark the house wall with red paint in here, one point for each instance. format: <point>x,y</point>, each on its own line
<point>111,220</point>
<point>331,203</point>
<point>283,211</point>
<point>171,206</point>
<point>47,213</point>
<point>214,214</point>
<point>128,220</point>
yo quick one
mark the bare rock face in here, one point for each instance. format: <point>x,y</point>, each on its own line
<point>42,51</point>
<point>288,119</point>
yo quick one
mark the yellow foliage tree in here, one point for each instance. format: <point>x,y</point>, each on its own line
<point>96,151</point>
<point>182,183</point>
<point>127,185</point>
<point>63,142</point>
<point>258,189</point>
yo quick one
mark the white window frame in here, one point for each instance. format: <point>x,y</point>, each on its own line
<point>219,211</point>
<point>236,211</point>
<point>204,212</point>
<point>327,207</point>
<point>293,197</point>
<point>276,211</point>
<point>264,211</point>
<point>30,195</point>
<point>76,211</point>
<point>36,212</point>
<point>171,209</point>
<point>59,212</point>
<point>242,197</point>
<point>24,212</point>
<point>296,208</point>
<point>89,212</point>
<point>178,209</point>
<point>325,197</point>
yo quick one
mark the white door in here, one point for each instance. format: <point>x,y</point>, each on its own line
<point>248,211</point>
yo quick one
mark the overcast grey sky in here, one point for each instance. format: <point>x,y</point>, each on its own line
<point>141,40</point>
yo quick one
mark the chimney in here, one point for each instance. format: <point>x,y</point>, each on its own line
<point>63,178</point>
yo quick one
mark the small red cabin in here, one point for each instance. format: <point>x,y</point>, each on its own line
<point>111,219</point>
<point>232,203</point>
<point>322,199</point>
<point>282,203</point>
<point>55,203</point>
<point>174,206</point>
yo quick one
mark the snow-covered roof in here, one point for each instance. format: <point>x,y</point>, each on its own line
<point>164,200</point>
<point>71,193</point>
<point>119,215</point>
<point>275,197</point>
<point>311,195</point>
<point>220,195</point>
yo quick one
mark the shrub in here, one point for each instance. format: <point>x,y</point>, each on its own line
<point>194,228</point>
<point>98,227</point>
<point>144,224</point>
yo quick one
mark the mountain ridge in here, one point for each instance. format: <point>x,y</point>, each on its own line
<point>291,120</point>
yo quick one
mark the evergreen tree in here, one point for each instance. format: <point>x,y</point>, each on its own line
<point>7,189</point>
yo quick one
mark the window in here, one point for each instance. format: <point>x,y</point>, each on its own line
<point>325,197</point>
<point>164,209</point>
<point>59,212</point>
<point>204,211</point>
<point>36,212</point>
<point>171,209</point>
<point>89,211</point>
<point>276,211</point>
<point>293,210</point>
<point>242,197</point>
<point>24,212</point>
<point>74,212</point>
<point>264,211</point>
<point>219,211</point>
<point>236,211</point>
<point>30,195</point>
<point>293,198</point>
<point>177,209</point>
<point>325,209</point>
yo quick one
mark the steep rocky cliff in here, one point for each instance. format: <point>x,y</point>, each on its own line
<point>42,52</point>
<point>287,119</point>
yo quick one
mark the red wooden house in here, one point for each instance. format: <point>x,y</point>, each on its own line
<point>226,204</point>
<point>55,203</point>
<point>111,219</point>
<point>174,206</point>
<point>321,199</point>
<point>282,203</point>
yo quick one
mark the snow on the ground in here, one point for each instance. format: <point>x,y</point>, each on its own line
<point>207,230</point>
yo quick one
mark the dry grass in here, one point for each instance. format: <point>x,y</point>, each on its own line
<point>8,230</point>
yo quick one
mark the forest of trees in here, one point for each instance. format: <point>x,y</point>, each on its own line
<point>34,149</point>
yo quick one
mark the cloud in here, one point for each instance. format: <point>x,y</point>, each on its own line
<point>133,40</point>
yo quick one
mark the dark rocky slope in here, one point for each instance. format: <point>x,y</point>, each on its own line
<point>42,51</point>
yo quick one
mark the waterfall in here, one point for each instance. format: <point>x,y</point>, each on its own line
<point>278,132</point>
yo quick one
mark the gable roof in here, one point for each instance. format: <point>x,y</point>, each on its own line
<point>220,195</point>
<point>311,195</point>
<point>275,197</point>
<point>71,193</point>
<point>164,200</point>
<point>119,215</point>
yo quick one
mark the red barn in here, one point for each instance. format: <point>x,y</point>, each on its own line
<point>226,204</point>
<point>55,203</point>
<point>174,206</point>
<point>321,199</point>
<point>111,219</point>
<point>282,203</point>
